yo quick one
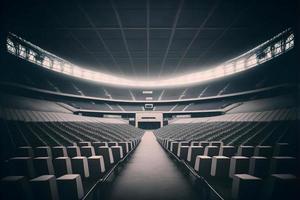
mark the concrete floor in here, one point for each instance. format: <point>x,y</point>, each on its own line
<point>151,175</point>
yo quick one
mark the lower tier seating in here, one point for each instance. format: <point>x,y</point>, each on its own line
<point>263,169</point>
<point>60,172</point>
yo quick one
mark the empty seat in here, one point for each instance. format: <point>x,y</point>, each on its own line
<point>203,144</point>
<point>216,143</point>
<point>220,166</point>
<point>263,151</point>
<point>238,165</point>
<point>24,151</point>
<point>70,187</point>
<point>59,151</point>
<point>203,165</point>
<point>22,166</point>
<point>117,153</point>
<point>193,152</point>
<point>179,145</point>
<point>96,166</point>
<point>62,166</point>
<point>125,147</point>
<point>227,151</point>
<point>107,154</point>
<point>44,187</point>
<point>80,166</point>
<point>183,152</point>
<point>282,186</point>
<point>130,146</point>
<point>110,144</point>
<point>195,143</point>
<point>82,144</point>
<point>259,166</point>
<point>282,149</point>
<point>43,165</point>
<point>174,147</point>
<point>211,151</point>
<point>246,187</point>
<point>283,165</point>
<point>87,151</point>
<point>246,151</point>
<point>169,144</point>
<point>73,151</point>
<point>99,144</point>
<point>43,151</point>
<point>15,188</point>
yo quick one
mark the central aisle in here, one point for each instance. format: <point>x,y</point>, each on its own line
<point>150,174</point>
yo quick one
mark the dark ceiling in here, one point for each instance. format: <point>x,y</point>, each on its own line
<point>147,37</point>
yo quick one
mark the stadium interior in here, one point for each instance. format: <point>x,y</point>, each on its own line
<point>149,100</point>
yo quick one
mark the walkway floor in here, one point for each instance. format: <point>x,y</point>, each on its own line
<point>151,175</point>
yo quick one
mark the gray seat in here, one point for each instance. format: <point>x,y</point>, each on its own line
<point>42,151</point>
<point>259,166</point>
<point>24,151</point>
<point>22,166</point>
<point>263,151</point>
<point>211,151</point>
<point>283,165</point>
<point>246,187</point>
<point>110,144</point>
<point>220,166</point>
<point>59,151</point>
<point>125,147</point>
<point>203,165</point>
<point>246,151</point>
<point>44,187</point>
<point>87,151</point>
<point>216,143</point>
<point>80,166</point>
<point>62,166</point>
<point>83,143</point>
<point>238,165</point>
<point>204,143</point>
<point>282,149</point>
<point>193,152</point>
<point>70,187</point>
<point>183,152</point>
<point>15,188</point>
<point>107,154</point>
<point>282,186</point>
<point>227,151</point>
<point>117,153</point>
<point>73,151</point>
<point>43,166</point>
<point>99,144</point>
<point>174,147</point>
<point>96,166</point>
<point>182,143</point>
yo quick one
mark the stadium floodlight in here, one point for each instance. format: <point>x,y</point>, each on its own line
<point>264,52</point>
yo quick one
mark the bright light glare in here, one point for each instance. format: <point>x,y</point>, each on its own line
<point>260,54</point>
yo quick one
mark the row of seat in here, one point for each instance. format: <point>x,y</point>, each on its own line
<point>58,172</point>
<point>231,132</point>
<point>77,149</point>
<point>46,187</point>
<point>42,160</point>
<point>259,165</point>
<point>188,150</point>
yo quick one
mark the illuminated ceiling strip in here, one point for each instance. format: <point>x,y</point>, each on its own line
<point>270,49</point>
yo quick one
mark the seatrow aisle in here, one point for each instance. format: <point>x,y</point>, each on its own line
<point>151,174</point>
